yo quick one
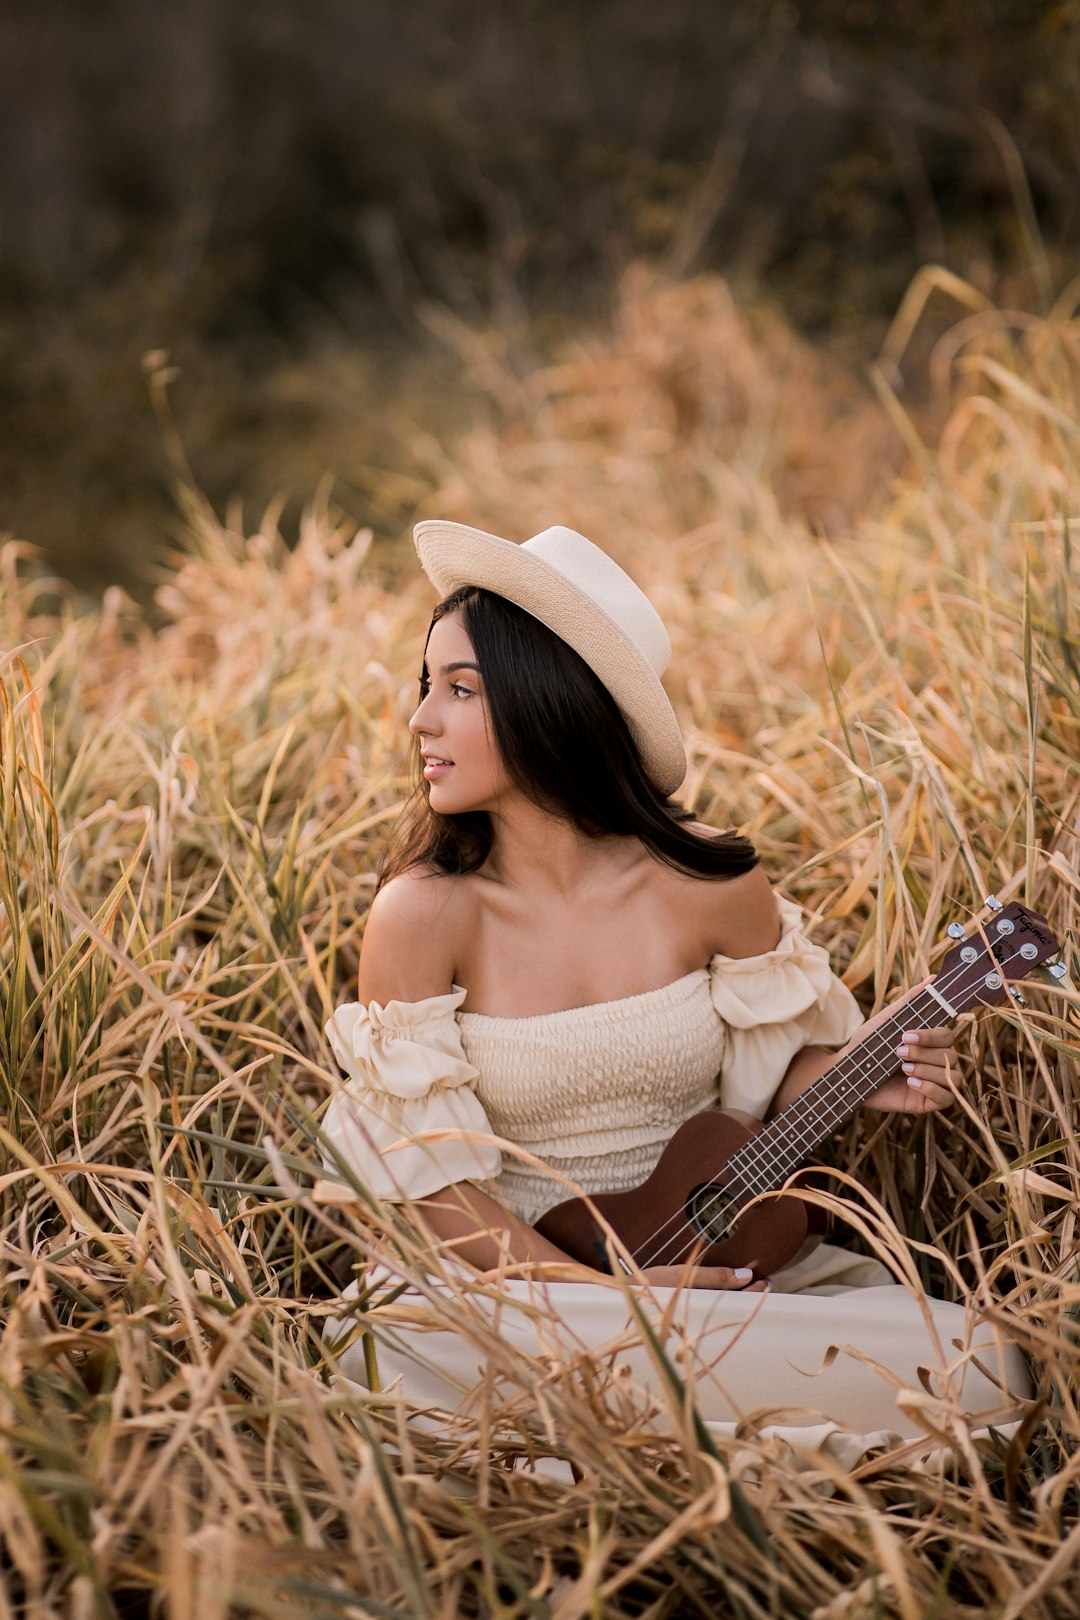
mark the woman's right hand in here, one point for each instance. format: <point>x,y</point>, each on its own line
<point>720,1277</point>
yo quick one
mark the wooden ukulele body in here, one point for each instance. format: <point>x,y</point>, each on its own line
<point>666,1220</point>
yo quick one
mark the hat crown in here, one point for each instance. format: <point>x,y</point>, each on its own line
<point>599,576</point>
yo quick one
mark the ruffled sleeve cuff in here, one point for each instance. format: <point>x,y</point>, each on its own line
<point>409,1082</point>
<point>773,1005</point>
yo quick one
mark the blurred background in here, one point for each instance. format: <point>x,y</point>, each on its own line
<point>308,227</point>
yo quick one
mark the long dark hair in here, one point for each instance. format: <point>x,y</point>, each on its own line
<point>564,743</point>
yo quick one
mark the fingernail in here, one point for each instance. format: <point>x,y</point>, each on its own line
<point>908,1068</point>
<point>903,1051</point>
<point>743,1274</point>
<point>913,1082</point>
<point>911,1035</point>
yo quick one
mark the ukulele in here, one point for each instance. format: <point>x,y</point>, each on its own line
<point>698,1205</point>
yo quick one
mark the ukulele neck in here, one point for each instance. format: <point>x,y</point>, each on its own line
<point>778,1149</point>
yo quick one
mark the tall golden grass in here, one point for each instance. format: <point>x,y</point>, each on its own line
<point>193,800</point>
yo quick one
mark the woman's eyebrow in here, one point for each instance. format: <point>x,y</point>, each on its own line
<point>449,669</point>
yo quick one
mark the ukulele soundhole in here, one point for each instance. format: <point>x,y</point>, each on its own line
<point>711,1212</point>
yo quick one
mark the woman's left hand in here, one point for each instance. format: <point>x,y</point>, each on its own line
<point>930,1071</point>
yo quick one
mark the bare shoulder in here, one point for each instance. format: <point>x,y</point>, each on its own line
<point>737,916</point>
<point>408,950</point>
<point>744,914</point>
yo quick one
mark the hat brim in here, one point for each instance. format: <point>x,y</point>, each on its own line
<point>453,554</point>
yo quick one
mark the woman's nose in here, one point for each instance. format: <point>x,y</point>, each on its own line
<point>423,719</point>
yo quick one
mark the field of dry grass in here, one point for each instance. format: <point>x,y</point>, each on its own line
<point>193,801</point>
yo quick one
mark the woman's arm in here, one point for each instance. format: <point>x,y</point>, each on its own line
<point>467,1224</point>
<point>927,1059</point>
<point>805,1067</point>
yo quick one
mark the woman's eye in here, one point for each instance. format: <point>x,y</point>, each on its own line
<point>462,691</point>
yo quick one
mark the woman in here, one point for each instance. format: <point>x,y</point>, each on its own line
<point>560,967</point>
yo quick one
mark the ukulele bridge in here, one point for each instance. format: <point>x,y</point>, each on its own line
<point>711,1212</point>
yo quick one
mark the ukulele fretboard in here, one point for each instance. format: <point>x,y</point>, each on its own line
<point>780,1147</point>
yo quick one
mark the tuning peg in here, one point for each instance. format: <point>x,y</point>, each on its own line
<point>992,903</point>
<point>956,931</point>
<point>1017,997</point>
<point>1057,970</point>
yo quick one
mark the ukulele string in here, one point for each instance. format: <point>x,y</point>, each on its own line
<point>883,1065</point>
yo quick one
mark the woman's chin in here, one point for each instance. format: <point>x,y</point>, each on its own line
<point>446,802</point>
<point>450,797</point>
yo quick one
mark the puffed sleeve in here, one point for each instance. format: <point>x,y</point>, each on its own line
<point>408,1079</point>
<point>773,1005</point>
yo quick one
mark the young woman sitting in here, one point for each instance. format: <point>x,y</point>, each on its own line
<point>560,960</point>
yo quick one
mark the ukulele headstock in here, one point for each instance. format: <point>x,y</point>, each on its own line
<point>988,961</point>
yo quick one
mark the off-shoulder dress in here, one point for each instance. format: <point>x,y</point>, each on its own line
<point>436,1095</point>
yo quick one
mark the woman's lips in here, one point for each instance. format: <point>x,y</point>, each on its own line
<point>434,768</point>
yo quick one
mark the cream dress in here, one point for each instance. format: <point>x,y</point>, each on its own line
<point>436,1095</point>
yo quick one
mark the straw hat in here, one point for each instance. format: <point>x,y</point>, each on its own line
<point>583,595</point>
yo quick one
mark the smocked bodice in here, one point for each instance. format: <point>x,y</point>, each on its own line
<point>597,1091</point>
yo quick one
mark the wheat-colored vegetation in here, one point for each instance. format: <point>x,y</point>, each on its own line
<point>193,801</point>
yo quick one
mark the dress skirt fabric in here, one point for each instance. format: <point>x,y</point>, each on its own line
<point>848,1361</point>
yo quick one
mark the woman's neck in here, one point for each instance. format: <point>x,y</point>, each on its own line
<point>544,854</point>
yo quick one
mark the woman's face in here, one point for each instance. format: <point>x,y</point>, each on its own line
<point>461,762</point>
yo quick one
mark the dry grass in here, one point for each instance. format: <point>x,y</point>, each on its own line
<point>191,813</point>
